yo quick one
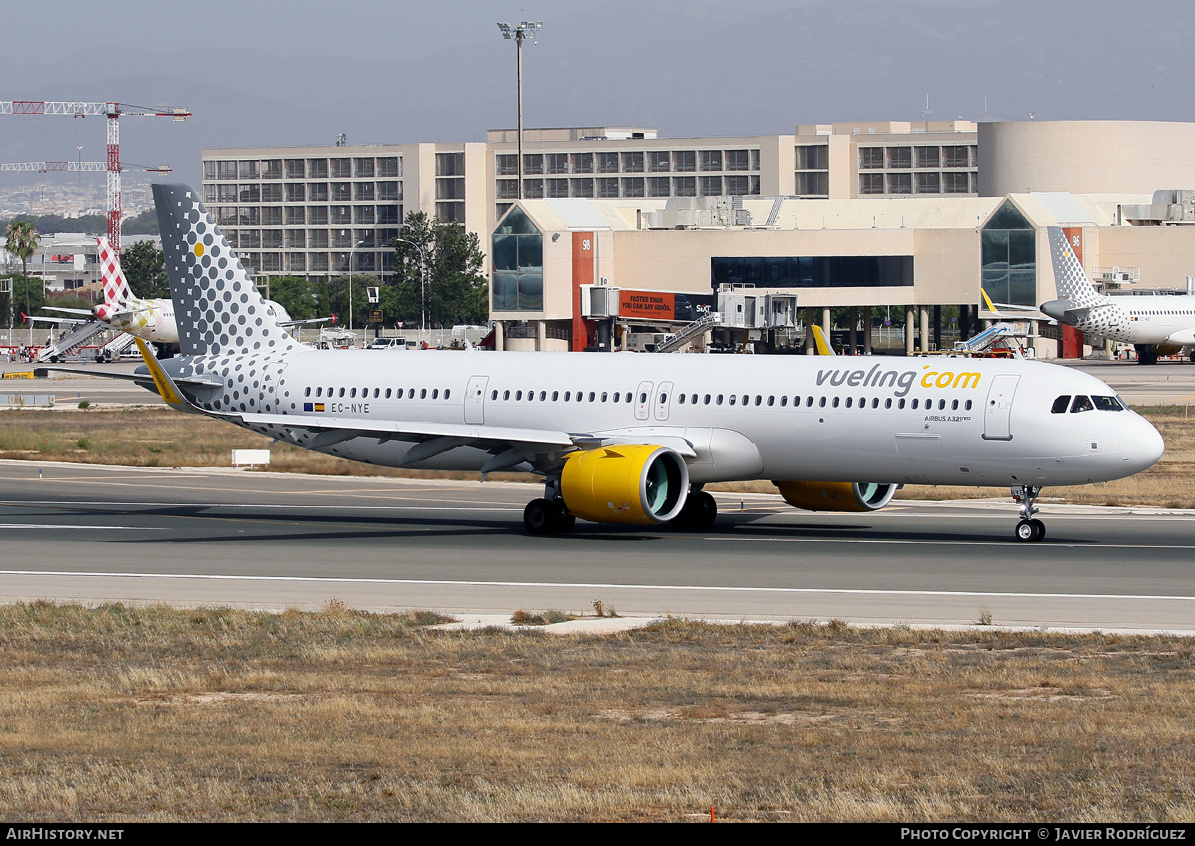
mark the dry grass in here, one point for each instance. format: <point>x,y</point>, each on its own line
<point>156,436</point>
<point>152,436</point>
<point>149,713</point>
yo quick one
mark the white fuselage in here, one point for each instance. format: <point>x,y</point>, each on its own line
<point>883,419</point>
<point>150,320</point>
<point>153,320</point>
<point>1150,319</point>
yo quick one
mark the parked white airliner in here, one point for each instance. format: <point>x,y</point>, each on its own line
<point>150,319</point>
<point>1155,325</point>
<point>625,438</point>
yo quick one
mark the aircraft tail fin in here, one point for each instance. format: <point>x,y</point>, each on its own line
<point>116,287</point>
<point>217,305</point>
<point>819,340</point>
<point>1071,280</point>
<point>169,391</point>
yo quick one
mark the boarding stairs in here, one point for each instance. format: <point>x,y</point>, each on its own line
<point>774,214</point>
<point>690,331</point>
<point>114,348</point>
<point>72,340</point>
<point>987,339</point>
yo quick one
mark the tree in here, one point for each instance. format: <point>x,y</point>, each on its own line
<point>338,299</point>
<point>144,267</point>
<point>22,243</point>
<point>294,294</point>
<point>457,290</point>
<point>145,223</point>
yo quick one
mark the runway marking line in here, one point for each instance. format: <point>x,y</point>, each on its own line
<point>594,585</point>
<point>89,528</point>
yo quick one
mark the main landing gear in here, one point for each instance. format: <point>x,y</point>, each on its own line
<point>1029,529</point>
<point>699,511</point>
<point>550,516</point>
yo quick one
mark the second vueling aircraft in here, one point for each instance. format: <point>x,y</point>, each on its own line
<point>634,438</point>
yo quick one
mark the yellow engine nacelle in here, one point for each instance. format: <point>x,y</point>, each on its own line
<point>836,496</point>
<point>631,483</point>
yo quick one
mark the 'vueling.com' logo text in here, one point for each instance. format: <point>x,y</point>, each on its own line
<point>875,378</point>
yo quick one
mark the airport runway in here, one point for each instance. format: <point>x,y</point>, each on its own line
<point>87,533</point>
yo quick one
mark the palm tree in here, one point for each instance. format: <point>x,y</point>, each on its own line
<point>22,242</point>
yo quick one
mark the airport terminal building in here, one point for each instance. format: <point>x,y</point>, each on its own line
<point>910,218</point>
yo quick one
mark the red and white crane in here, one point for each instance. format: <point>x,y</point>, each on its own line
<point>113,112</point>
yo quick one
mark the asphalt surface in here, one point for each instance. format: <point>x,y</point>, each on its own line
<point>264,540</point>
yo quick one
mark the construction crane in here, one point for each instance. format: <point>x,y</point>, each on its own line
<point>84,167</point>
<point>113,112</point>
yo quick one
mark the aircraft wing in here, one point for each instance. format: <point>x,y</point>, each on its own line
<point>72,320</point>
<point>83,311</point>
<point>306,322</point>
<point>144,378</point>
<point>409,430</point>
<point>1008,311</point>
<point>509,446</point>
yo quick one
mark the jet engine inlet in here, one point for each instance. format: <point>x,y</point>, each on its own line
<point>630,483</point>
<point>837,496</point>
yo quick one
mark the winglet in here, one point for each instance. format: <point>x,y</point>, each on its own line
<point>169,392</point>
<point>819,339</point>
<point>986,299</point>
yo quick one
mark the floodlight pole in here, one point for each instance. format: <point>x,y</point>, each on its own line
<point>422,285</point>
<point>518,33</point>
<point>352,250</point>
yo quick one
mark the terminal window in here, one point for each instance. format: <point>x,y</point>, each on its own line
<point>1008,247</point>
<point>517,250</point>
<point>813,271</point>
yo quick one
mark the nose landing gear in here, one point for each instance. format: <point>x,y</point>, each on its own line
<point>1029,529</point>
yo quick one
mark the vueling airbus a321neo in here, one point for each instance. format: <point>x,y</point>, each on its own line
<point>634,438</point>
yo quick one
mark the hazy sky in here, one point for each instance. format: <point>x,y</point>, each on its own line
<point>296,28</point>
<point>299,73</point>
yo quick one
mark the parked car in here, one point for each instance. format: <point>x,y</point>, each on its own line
<point>388,344</point>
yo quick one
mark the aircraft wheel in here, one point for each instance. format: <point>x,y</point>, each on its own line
<point>537,517</point>
<point>1040,527</point>
<point>1026,531</point>
<point>562,520</point>
<point>705,509</point>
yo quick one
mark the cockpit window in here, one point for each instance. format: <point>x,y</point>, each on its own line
<point>1107,404</point>
<point>1081,403</point>
<point>1060,404</point>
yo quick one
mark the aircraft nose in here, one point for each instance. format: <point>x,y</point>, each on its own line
<point>1141,446</point>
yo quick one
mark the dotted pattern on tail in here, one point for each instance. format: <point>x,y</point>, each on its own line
<point>226,330</point>
<point>1074,287</point>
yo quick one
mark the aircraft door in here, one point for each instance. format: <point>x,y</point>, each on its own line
<point>475,399</point>
<point>643,401</point>
<point>663,398</point>
<point>998,411</point>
